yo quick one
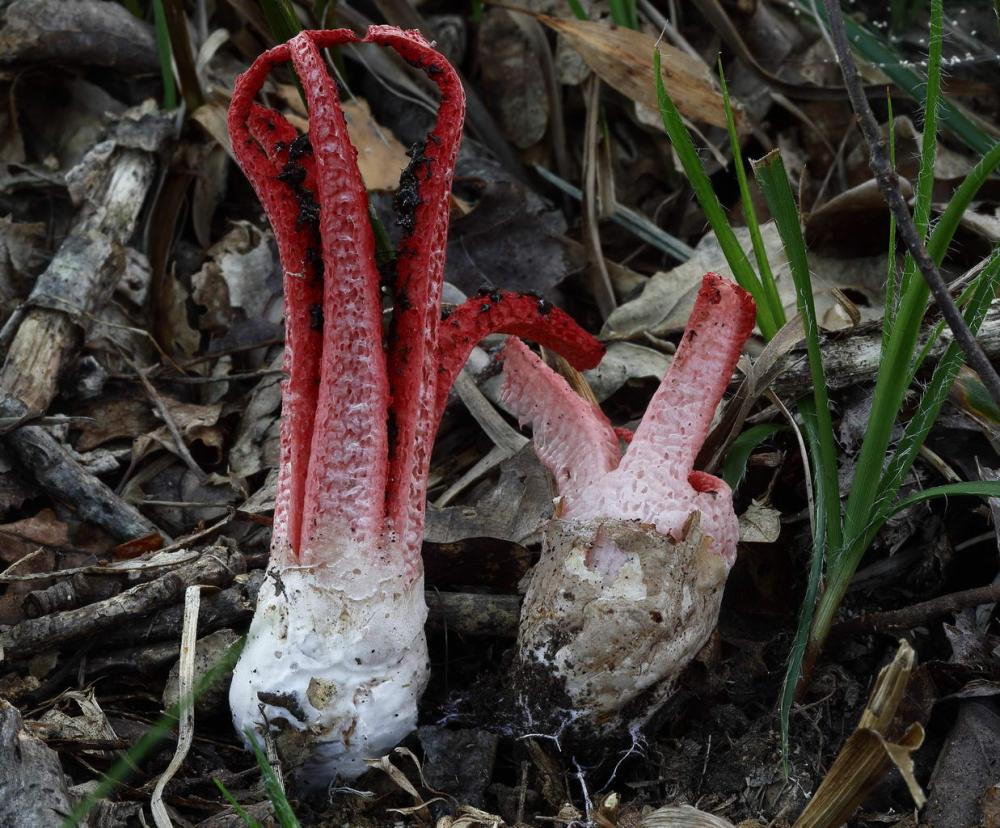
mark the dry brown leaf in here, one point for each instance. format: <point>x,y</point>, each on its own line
<point>381,156</point>
<point>868,754</point>
<point>623,59</point>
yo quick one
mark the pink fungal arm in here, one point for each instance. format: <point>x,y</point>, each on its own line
<point>261,140</point>
<point>677,420</point>
<point>510,313</point>
<point>573,438</point>
<point>655,481</point>
<point>347,462</point>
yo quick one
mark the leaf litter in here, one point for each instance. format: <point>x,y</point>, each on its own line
<point>196,301</point>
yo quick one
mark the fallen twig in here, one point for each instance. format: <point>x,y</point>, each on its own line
<point>67,481</point>
<point>217,566</point>
<point>914,615</point>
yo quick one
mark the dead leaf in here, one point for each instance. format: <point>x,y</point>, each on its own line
<point>513,79</point>
<point>381,156</point>
<point>112,419</point>
<point>760,523</point>
<point>196,423</point>
<point>238,280</point>
<point>623,58</point>
<point>623,362</point>
<point>867,755</point>
<point>666,302</point>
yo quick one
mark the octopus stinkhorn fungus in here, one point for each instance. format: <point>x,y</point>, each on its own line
<point>630,580</point>
<point>336,659</point>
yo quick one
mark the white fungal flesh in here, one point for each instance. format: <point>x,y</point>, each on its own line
<point>616,610</point>
<point>334,664</point>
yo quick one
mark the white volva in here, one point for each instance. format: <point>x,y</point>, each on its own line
<point>335,662</point>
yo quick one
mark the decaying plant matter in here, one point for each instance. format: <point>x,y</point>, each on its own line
<point>336,657</point>
<point>630,580</point>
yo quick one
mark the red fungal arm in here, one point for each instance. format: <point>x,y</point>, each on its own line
<point>572,437</point>
<point>676,422</point>
<point>423,200</point>
<point>260,139</point>
<point>510,313</point>
<point>347,466</point>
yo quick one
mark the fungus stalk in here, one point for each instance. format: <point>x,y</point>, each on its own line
<point>630,579</point>
<point>336,659</point>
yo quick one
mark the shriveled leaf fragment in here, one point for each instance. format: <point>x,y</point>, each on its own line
<point>91,723</point>
<point>666,301</point>
<point>868,753</point>
<point>514,510</point>
<point>512,78</point>
<point>196,423</point>
<point>683,816</point>
<point>239,278</point>
<point>257,440</point>
<point>511,239</point>
<point>625,361</point>
<point>111,418</point>
<point>760,523</point>
<point>623,58</point>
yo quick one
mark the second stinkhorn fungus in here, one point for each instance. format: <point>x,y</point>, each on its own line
<point>336,659</point>
<point>630,580</point>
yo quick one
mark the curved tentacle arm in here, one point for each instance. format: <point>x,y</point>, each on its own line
<point>345,490</point>
<point>516,314</point>
<point>655,481</point>
<point>678,417</point>
<point>422,206</point>
<point>571,436</point>
<point>261,139</point>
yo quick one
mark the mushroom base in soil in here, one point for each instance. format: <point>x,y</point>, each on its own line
<point>336,657</point>
<point>335,663</point>
<point>632,570</point>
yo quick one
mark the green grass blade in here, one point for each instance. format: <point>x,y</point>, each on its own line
<point>796,654</point>
<point>281,19</point>
<point>891,274</point>
<point>978,488</point>
<point>873,513</point>
<point>932,102</point>
<point>681,141</point>
<point>770,288</point>
<point>875,50</point>
<point>248,820</point>
<point>735,464</point>
<point>897,358</point>
<point>124,767</point>
<point>936,393</point>
<point>164,54</point>
<point>773,181</point>
<point>282,808</point>
<point>579,12</point>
